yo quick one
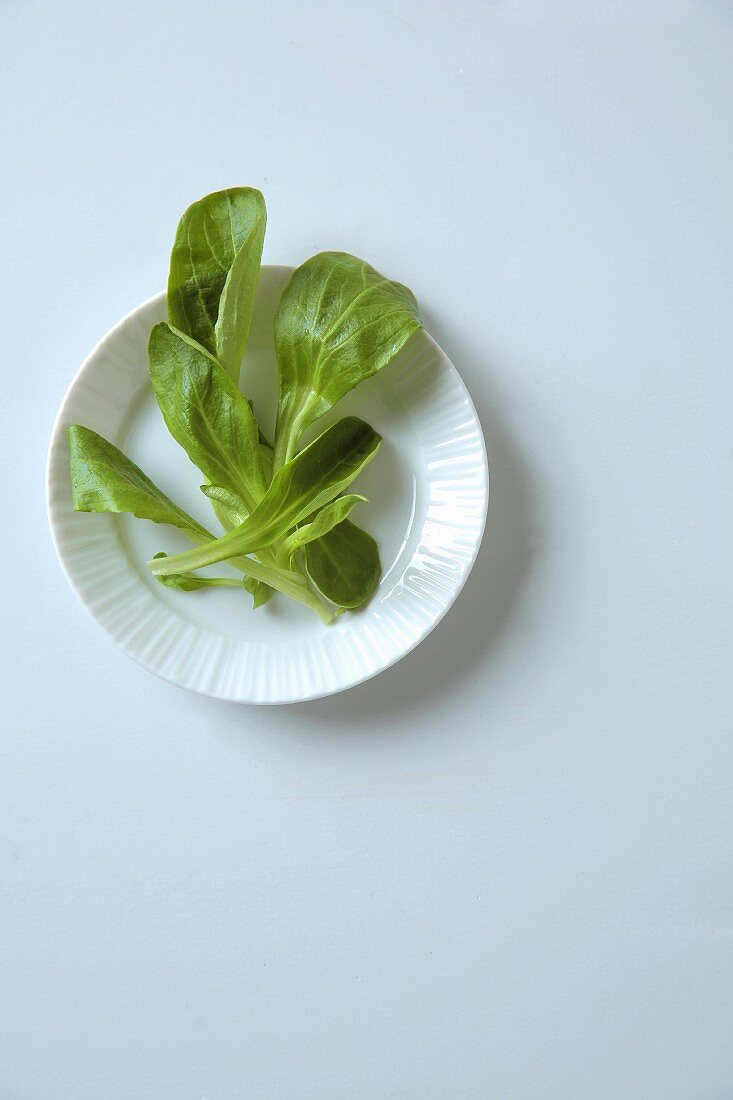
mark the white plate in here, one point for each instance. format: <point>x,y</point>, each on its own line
<point>428,494</point>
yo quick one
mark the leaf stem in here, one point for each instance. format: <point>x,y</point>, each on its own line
<point>280,581</point>
<point>287,434</point>
<point>285,581</point>
<point>284,449</point>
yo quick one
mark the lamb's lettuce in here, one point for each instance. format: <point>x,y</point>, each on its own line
<point>338,322</point>
<point>316,476</point>
<point>321,523</point>
<point>214,269</point>
<point>103,479</point>
<point>206,413</point>
<point>344,565</point>
<point>226,503</point>
<point>283,510</point>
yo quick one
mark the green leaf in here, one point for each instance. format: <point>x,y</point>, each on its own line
<point>215,265</point>
<point>344,565</point>
<point>229,508</point>
<point>260,592</point>
<point>323,522</point>
<point>205,412</point>
<point>103,479</point>
<point>316,476</point>
<point>339,321</point>
<point>189,582</point>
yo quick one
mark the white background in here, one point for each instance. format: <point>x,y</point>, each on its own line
<point>501,869</point>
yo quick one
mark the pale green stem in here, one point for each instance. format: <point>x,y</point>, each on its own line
<point>284,450</point>
<point>221,582</point>
<point>287,434</point>
<point>279,579</point>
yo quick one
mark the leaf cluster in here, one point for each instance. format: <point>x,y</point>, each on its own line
<point>283,508</point>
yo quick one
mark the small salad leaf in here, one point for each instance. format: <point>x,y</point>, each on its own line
<point>189,582</point>
<point>339,321</point>
<point>215,265</point>
<point>321,523</point>
<point>205,412</point>
<point>105,480</point>
<point>312,479</point>
<point>229,507</point>
<point>260,592</point>
<point>344,565</point>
